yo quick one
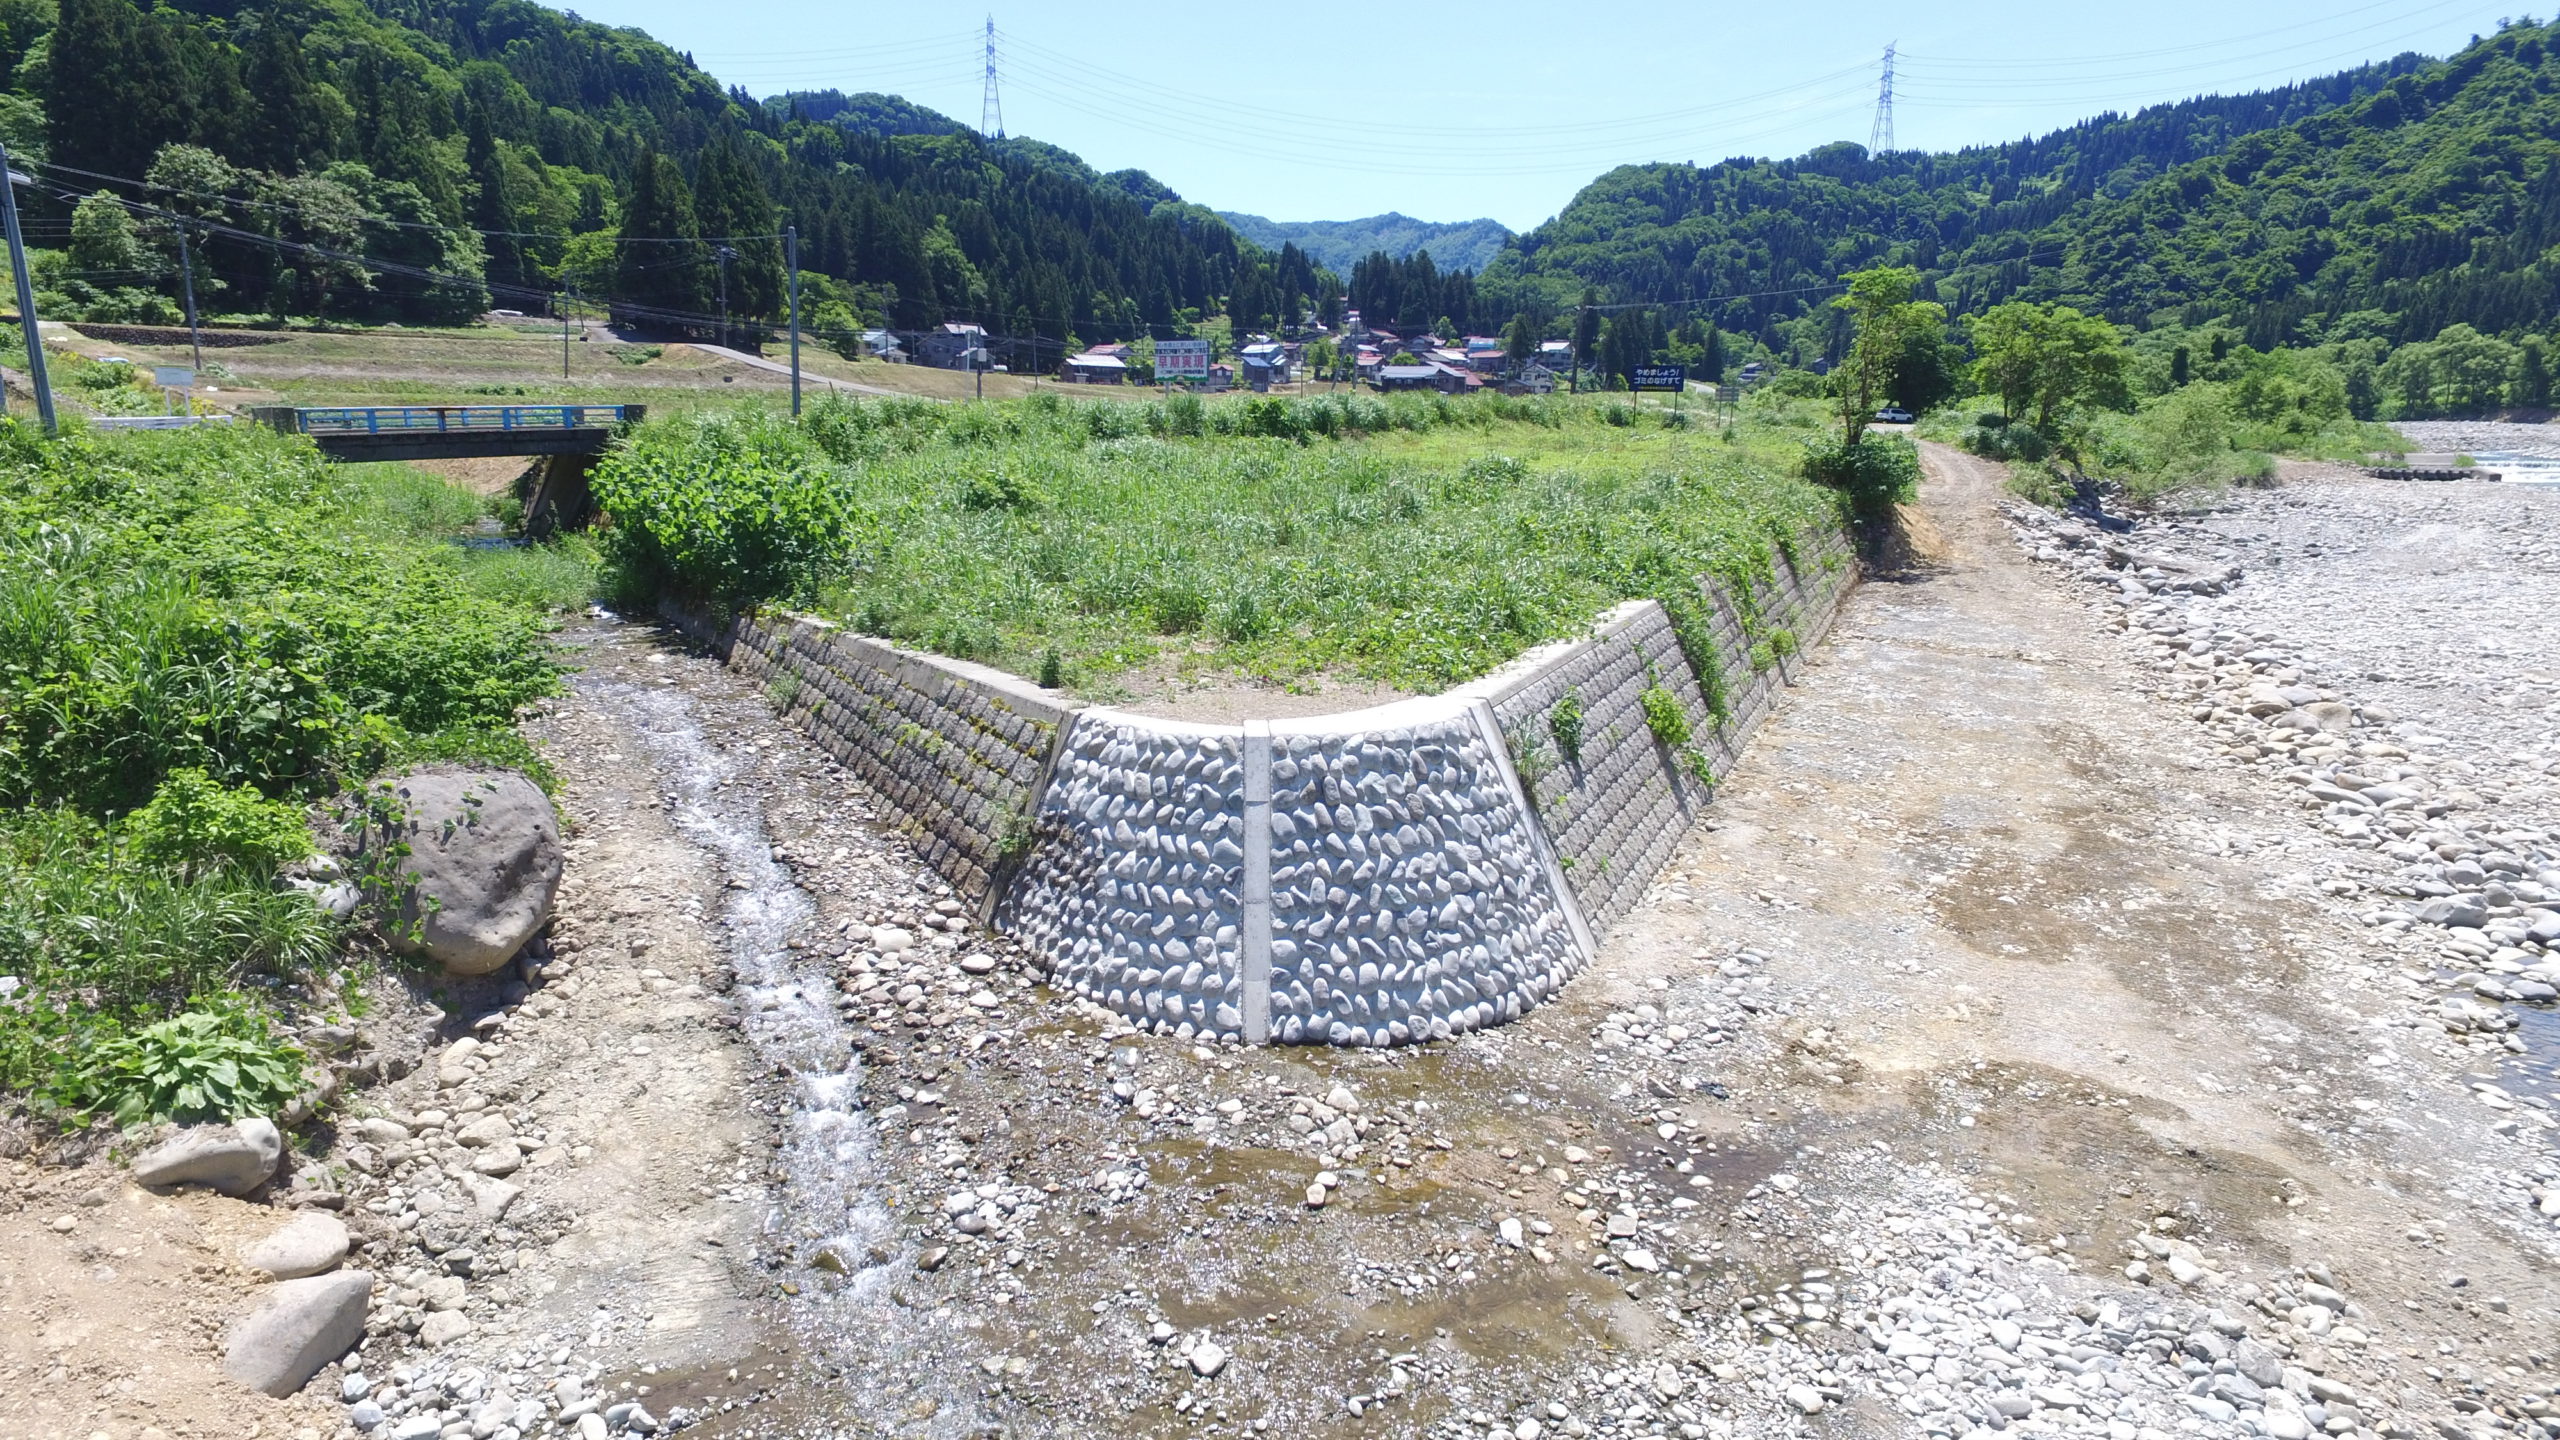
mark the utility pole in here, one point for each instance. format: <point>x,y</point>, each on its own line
<point>187,279</point>
<point>726,255</point>
<point>10,180</point>
<point>791,257</point>
<point>569,300</point>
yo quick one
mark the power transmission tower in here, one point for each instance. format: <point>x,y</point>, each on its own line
<point>991,109</point>
<point>1880,139</point>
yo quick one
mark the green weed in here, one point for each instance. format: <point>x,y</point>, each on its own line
<point>195,1066</point>
<point>1664,716</point>
<point>1564,721</point>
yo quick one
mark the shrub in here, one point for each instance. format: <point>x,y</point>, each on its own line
<point>1877,473</point>
<point>192,820</point>
<point>1000,488</point>
<point>1564,722</point>
<point>1994,438</point>
<point>222,600</point>
<point>195,1066</point>
<point>1664,717</point>
<point>198,633</point>
<point>736,509</point>
<point>101,940</point>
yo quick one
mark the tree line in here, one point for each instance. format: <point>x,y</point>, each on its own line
<point>2396,220</point>
<point>495,150</point>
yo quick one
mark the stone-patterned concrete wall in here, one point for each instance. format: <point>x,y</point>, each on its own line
<point>960,749</point>
<point>1617,810</point>
<point>1376,878</point>
<point>1410,895</point>
<point>1134,889</point>
<point>1365,879</point>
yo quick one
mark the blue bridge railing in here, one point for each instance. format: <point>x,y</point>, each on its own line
<point>433,419</point>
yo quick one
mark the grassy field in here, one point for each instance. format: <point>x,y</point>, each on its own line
<point>1416,542</point>
<point>524,362</point>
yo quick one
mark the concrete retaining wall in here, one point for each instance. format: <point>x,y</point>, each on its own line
<point>961,750</point>
<point>1363,879</point>
<point>1133,891</point>
<point>1396,874</point>
<point>1616,809</point>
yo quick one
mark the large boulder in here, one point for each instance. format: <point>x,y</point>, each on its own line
<point>234,1159</point>
<point>298,1327</point>
<point>482,870</point>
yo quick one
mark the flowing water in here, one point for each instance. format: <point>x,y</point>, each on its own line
<point>2518,468</point>
<point>828,1199</point>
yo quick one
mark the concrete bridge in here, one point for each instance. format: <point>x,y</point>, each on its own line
<point>569,439</point>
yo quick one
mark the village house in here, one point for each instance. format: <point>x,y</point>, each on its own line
<point>948,346</point>
<point>1265,364</point>
<point>1094,368</point>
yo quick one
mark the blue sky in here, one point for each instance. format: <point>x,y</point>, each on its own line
<point>1494,108</point>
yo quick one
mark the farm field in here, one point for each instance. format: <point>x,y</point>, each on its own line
<point>489,364</point>
<point>1410,543</point>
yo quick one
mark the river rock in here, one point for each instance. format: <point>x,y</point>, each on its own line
<point>482,870</point>
<point>300,1326</point>
<point>2454,913</point>
<point>312,1242</point>
<point>443,1327</point>
<point>234,1159</point>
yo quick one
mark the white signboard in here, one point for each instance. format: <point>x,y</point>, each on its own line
<point>173,377</point>
<point>1182,359</point>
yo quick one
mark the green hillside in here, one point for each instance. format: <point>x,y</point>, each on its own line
<point>1337,245</point>
<point>2383,203</point>
<point>422,160</point>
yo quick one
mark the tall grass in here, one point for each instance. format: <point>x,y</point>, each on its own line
<point>1415,540</point>
<point>201,633</point>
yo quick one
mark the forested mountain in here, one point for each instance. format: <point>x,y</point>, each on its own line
<point>421,160</point>
<point>2388,201</point>
<point>1338,245</point>
<point>332,159</point>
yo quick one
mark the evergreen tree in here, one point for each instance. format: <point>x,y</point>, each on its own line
<point>732,208</point>
<point>290,131</point>
<point>115,93</point>
<point>2533,375</point>
<point>1586,328</point>
<point>1521,345</point>
<point>493,210</point>
<point>663,263</point>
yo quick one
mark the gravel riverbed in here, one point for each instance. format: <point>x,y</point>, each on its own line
<point>2103,1004</point>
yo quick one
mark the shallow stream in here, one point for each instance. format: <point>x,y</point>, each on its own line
<point>826,1199</point>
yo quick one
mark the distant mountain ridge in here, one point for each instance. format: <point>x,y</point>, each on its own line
<point>1338,245</point>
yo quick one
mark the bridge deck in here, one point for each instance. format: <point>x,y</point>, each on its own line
<point>453,432</point>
